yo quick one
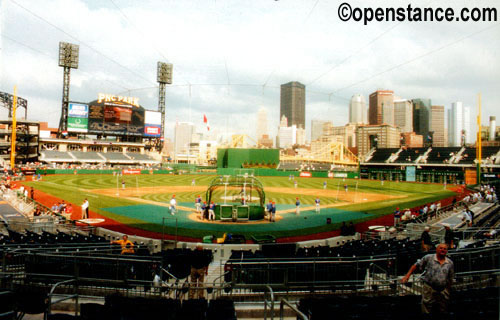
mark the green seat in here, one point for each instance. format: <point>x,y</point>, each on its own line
<point>208,239</point>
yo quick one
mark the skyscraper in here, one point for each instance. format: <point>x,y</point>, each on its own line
<point>459,131</point>
<point>183,134</point>
<point>437,126</point>
<point>381,109</point>
<point>293,103</point>
<point>403,115</point>
<point>468,134</point>
<point>421,117</point>
<point>318,128</point>
<point>261,128</point>
<point>287,135</point>
<point>357,109</point>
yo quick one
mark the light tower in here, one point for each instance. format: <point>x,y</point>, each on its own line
<point>68,59</point>
<point>164,76</point>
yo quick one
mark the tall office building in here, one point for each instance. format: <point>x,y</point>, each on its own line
<point>293,103</point>
<point>403,115</point>
<point>261,129</point>
<point>357,109</point>
<point>183,135</point>
<point>378,136</point>
<point>287,137</point>
<point>381,108</point>
<point>467,126</point>
<point>318,128</point>
<point>437,126</point>
<point>459,130</point>
<point>421,117</point>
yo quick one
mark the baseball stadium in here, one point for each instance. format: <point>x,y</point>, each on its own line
<point>100,220</point>
<point>335,236</point>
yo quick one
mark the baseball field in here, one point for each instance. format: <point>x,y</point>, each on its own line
<point>138,204</point>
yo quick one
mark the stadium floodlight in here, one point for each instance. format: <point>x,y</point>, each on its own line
<point>68,59</point>
<point>68,55</point>
<point>164,76</point>
<point>164,72</point>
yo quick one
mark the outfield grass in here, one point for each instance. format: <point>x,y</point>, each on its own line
<point>75,188</point>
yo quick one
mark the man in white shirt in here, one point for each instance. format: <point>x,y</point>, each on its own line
<point>85,209</point>
<point>173,204</point>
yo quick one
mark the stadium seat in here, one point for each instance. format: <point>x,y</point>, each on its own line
<point>193,309</point>
<point>221,309</point>
<point>93,311</point>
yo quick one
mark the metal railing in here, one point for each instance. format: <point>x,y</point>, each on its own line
<point>63,298</point>
<point>297,312</point>
<point>269,303</point>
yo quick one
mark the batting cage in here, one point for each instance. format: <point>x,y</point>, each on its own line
<point>237,197</point>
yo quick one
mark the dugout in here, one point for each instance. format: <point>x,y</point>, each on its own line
<point>237,198</point>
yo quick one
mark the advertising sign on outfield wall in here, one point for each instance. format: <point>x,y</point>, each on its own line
<point>131,171</point>
<point>305,174</point>
<point>411,173</point>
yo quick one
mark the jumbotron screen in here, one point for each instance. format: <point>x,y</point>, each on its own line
<point>113,115</point>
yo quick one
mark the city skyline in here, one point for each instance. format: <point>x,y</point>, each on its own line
<point>232,58</point>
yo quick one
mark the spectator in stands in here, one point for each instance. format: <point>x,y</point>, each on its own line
<point>426,240</point>
<point>38,212</point>
<point>85,209</point>
<point>407,215</point>
<point>69,209</point>
<point>448,236</point>
<point>433,208</point>
<point>126,244</point>
<point>425,210</point>
<point>32,193</point>
<point>199,268</point>
<point>437,278</point>
<point>62,207</point>
<point>55,207</point>
<point>491,234</point>
<point>468,216</point>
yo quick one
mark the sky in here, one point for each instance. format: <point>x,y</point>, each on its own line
<point>231,56</point>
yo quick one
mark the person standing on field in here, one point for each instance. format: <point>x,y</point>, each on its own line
<point>85,209</point>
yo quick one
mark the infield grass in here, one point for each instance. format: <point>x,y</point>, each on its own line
<point>75,188</point>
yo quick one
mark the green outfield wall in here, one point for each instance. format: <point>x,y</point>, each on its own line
<point>240,158</point>
<point>281,173</point>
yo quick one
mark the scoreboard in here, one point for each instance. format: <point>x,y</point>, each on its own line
<point>113,115</point>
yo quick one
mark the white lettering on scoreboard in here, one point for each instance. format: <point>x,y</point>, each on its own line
<point>103,97</point>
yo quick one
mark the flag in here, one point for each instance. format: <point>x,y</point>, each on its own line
<point>205,121</point>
